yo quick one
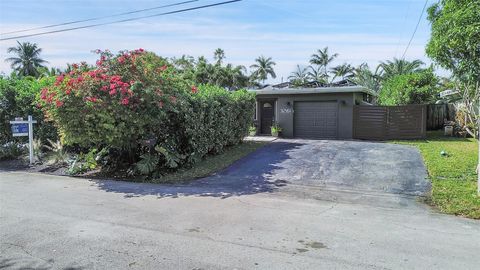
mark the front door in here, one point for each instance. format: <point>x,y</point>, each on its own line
<point>267,116</point>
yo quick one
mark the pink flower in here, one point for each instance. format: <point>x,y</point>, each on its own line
<point>58,103</point>
<point>121,59</point>
<point>43,93</point>
<point>194,89</point>
<point>112,92</point>
<point>59,80</point>
<point>125,101</point>
<point>91,99</point>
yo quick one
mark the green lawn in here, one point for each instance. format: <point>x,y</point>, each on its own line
<point>211,164</point>
<point>454,181</point>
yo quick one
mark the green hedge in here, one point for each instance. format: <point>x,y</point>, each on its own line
<point>212,119</point>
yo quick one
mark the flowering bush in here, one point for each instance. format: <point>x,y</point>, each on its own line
<point>118,103</point>
<point>134,102</point>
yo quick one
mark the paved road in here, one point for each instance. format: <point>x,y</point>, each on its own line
<point>246,217</point>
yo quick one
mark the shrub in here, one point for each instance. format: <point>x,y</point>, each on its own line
<point>12,150</point>
<point>135,105</point>
<point>414,88</point>
<point>17,99</point>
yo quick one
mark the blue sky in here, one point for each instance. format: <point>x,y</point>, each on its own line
<point>289,31</point>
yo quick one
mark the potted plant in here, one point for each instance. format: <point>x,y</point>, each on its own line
<point>252,131</point>
<point>275,129</point>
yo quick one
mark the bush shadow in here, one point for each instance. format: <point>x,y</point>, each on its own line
<point>249,175</point>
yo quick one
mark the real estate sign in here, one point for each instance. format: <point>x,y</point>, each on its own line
<point>24,128</point>
<point>20,130</point>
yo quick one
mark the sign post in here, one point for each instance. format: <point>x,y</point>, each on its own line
<point>21,128</point>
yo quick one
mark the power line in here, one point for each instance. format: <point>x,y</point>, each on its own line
<point>416,28</point>
<point>99,18</point>
<point>407,13</point>
<point>120,21</point>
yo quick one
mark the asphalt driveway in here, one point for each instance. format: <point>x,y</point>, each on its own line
<point>290,205</point>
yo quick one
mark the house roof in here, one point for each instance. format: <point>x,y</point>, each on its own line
<point>318,90</point>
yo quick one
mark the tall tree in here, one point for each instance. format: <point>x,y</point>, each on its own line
<point>27,60</point>
<point>263,68</point>
<point>299,76</point>
<point>455,37</point>
<point>219,56</point>
<point>316,74</point>
<point>399,67</point>
<point>343,71</point>
<point>322,59</point>
<point>367,78</point>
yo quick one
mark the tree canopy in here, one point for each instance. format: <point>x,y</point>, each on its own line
<point>455,39</point>
<point>413,88</point>
<point>27,60</point>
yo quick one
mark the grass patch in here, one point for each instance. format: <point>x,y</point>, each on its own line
<point>454,181</point>
<point>211,164</point>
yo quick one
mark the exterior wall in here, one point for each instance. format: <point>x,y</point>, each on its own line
<point>284,113</point>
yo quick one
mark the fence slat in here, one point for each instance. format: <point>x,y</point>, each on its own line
<point>390,122</point>
<point>437,114</point>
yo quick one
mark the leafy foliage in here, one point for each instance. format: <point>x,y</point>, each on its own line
<point>396,67</point>
<point>58,155</point>
<point>12,150</point>
<point>343,71</point>
<point>455,38</point>
<point>299,76</point>
<point>17,99</point>
<point>200,71</point>
<point>415,88</point>
<point>136,96</point>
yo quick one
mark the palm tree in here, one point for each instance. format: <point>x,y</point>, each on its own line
<point>263,68</point>
<point>343,71</point>
<point>316,74</point>
<point>219,56</point>
<point>299,76</point>
<point>322,59</point>
<point>45,72</point>
<point>367,78</point>
<point>399,67</point>
<point>28,59</point>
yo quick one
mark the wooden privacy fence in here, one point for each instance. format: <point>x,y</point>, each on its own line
<point>389,122</point>
<point>437,114</point>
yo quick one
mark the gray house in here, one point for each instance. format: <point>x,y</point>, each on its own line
<point>320,113</point>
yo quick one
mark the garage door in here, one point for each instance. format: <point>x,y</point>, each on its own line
<point>316,120</point>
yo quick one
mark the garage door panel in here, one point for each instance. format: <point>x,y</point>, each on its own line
<point>316,119</point>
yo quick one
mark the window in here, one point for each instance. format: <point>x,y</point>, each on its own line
<point>267,105</point>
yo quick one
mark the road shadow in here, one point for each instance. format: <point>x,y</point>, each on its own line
<point>26,264</point>
<point>249,175</point>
